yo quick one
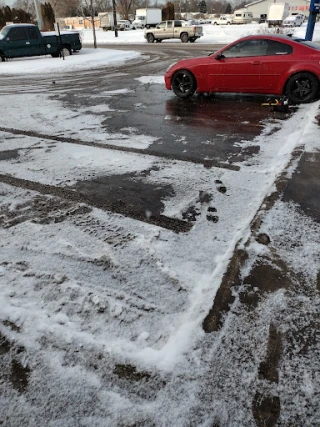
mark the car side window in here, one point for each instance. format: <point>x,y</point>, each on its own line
<point>162,25</point>
<point>32,33</point>
<point>16,34</point>
<point>277,48</point>
<point>247,48</point>
<point>177,23</point>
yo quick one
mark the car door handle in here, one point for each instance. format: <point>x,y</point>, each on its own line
<point>256,63</point>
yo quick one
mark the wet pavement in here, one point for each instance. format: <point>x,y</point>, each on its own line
<point>304,186</point>
<point>203,127</point>
<point>212,130</point>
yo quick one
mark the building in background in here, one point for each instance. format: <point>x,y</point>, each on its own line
<point>78,23</point>
<point>261,7</point>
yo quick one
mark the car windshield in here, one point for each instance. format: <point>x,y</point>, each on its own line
<point>308,43</point>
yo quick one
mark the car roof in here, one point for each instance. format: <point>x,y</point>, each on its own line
<point>21,25</point>
<point>271,36</point>
<point>276,37</point>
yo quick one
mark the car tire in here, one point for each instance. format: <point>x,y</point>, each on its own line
<point>183,84</point>
<point>184,38</point>
<point>65,51</point>
<point>302,88</point>
<point>150,38</point>
<point>2,57</point>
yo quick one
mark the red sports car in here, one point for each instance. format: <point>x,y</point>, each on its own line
<point>261,64</point>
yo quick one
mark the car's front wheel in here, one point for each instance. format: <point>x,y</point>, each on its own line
<point>150,38</point>
<point>183,84</point>
<point>302,88</point>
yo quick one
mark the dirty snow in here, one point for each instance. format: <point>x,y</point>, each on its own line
<point>90,291</point>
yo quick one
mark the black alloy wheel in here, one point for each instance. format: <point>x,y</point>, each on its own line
<point>302,88</point>
<point>183,84</point>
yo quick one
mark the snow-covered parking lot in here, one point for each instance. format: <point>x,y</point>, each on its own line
<point>106,320</point>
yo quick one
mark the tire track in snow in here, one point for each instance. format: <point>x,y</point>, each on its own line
<point>147,152</point>
<point>173,224</point>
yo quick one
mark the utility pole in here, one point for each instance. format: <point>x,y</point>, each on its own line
<point>38,13</point>
<point>115,18</point>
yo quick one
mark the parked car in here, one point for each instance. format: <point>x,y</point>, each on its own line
<point>223,20</point>
<point>263,18</point>
<point>193,22</point>
<point>261,64</point>
<point>173,30</point>
<point>20,40</point>
<point>293,21</point>
<point>124,24</point>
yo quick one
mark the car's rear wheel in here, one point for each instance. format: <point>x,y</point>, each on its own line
<point>183,84</point>
<point>302,88</point>
<point>150,38</point>
<point>184,38</point>
<point>65,51</point>
<point>2,57</point>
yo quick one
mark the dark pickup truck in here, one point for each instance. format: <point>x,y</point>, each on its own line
<point>18,40</point>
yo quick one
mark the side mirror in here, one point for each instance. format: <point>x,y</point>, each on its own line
<point>220,56</point>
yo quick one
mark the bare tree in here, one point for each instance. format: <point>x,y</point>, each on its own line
<point>26,5</point>
<point>125,8</point>
<point>87,11</point>
<point>63,8</point>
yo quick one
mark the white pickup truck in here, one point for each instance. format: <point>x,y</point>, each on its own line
<point>173,30</point>
<point>223,20</point>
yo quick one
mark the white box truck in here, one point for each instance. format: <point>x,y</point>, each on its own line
<point>146,18</point>
<point>277,13</point>
<point>106,20</point>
